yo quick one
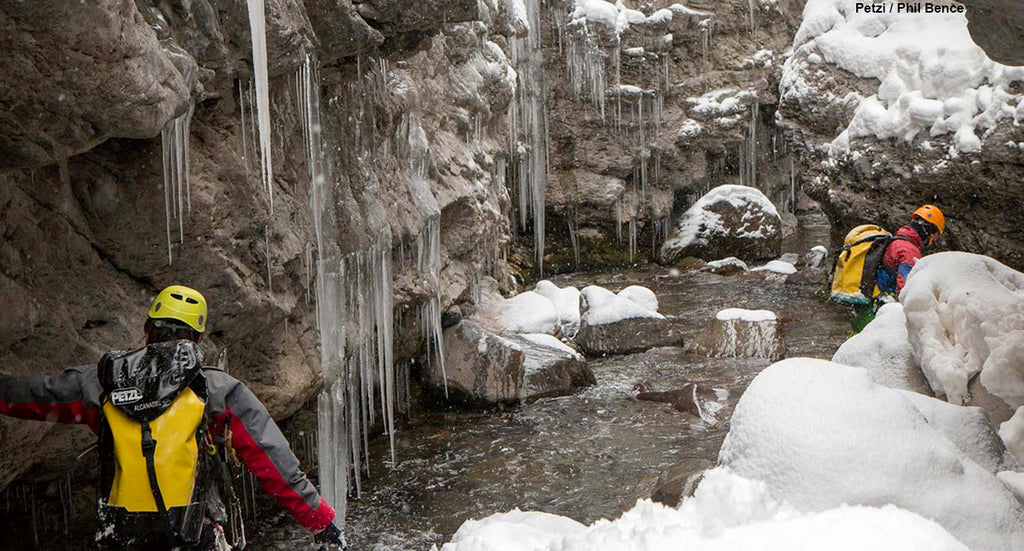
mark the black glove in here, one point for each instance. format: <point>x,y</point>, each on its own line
<point>329,539</point>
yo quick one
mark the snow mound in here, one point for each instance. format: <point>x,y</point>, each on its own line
<point>599,306</point>
<point>721,102</point>
<point>731,261</point>
<point>727,512</point>
<point>821,435</point>
<point>566,299</point>
<point>616,17</point>
<point>883,348</point>
<point>641,295</point>
<point>528,312</point>
<point>1012,433</point>
<point>549,341</point>
<point>933,77</point>
<point>965,315</point>
<point>777,266</point>
<point>752,316</point>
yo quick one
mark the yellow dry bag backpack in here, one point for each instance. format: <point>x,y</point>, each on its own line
<point>855,266</point>
<point>155,463</point>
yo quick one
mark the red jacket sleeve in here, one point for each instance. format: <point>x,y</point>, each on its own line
<point>901,257</point>
<point>64,398</point>
<point>263,448</point>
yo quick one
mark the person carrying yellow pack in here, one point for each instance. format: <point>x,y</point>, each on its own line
<point>873,265</point>
<point>166,425</point>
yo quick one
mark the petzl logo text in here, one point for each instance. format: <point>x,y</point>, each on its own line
<point>125,396</point>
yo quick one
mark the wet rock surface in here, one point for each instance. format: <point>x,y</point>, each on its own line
<point>736,338</point>
<point>479,367</point>
<point>549,371</point>
<point>627,336</point>
<point>679,481</point>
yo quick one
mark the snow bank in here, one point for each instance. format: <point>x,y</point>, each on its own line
<point>1012,433</point>
<point>883,348</point>
<point>965,315</point>
<point>641,295</point>
<point>567,301</point>
<point>528,312</point>
<point>699,224</point>
<point>721,102</point>
<point>820,435</point>
<point>599,306</point>
<point>616,17</point>
<point>777,266</point>
<point>727,512</point>
<point>752,316</point>
<point>549,341</point>
<point>730,261</point>
<point>933,77</point>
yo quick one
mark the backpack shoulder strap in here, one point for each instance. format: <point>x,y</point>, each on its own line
<point>149,452</point>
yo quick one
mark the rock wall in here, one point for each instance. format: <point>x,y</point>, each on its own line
<point>414,97</point>
<point>631,144</point>
<point>883,181</point>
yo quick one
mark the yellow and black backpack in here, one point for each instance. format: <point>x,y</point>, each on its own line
<point>156,455</point>
<point>855,266</point>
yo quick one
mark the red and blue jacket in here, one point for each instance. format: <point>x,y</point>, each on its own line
<point>900,257</point>
<point>75,396</point>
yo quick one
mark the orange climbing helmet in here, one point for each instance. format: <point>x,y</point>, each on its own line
<point>932,214</point>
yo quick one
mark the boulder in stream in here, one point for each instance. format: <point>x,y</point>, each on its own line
<point>611,324</point>
<point>692,398</point>
<point>551,367</point>
<point>729,220</point>
<point>479,366</point>
<point>680,480</point>
<point>738,333</point>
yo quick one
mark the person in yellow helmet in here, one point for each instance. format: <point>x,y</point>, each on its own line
<point>166,426</point>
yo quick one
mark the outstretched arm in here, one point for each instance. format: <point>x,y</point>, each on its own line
<point>265,452</point>
<point>61,398</point>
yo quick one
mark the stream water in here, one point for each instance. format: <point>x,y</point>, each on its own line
<point>593,454</point>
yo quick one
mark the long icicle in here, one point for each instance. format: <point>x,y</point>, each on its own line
<point>258,32</point>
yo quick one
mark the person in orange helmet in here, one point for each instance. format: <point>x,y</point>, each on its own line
<point>907,246</point>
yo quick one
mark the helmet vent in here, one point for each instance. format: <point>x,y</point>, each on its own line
<point>177,296</point>
<point>191,300</point>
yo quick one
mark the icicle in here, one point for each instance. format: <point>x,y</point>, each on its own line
<point>573,236</point>
<point>750,3</point>
<point>632,238</point>
<point>174,139</point>
<point>258,32</point>
<point>530,105</point>
<point>792,185</point>
<point>270,281</point>
<point>428,254</point>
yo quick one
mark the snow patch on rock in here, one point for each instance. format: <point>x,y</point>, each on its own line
<point>641,295</point>
<point>884,349</point>
<point>599,306</point>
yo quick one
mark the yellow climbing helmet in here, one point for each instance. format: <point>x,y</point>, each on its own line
<point>181,303</point>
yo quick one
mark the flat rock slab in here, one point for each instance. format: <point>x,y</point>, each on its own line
<point>737,338</point>
<point>551,371</point>
<point>627,336</point>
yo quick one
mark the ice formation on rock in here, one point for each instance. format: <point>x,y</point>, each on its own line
<point>177,189</point>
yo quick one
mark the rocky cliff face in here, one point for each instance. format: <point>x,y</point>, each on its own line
<point>647,115</point>
<point>413,99</point>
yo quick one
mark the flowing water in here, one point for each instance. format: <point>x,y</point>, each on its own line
<point>593,454</point>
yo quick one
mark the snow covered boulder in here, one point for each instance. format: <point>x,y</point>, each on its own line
<point>728,221</point>
<point>883,348</point>
<point>738,333</point>
<point>727,512</point>
<point>479,366</point>
<point>640,295</point>
<point>728,266</point>
<point>780,267</point>
<point>610,324</point>
<point>565,299</point>
<point>551,367</point>
<point>528,312</point>
<point>821,435</point>
<point>965,317</point>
